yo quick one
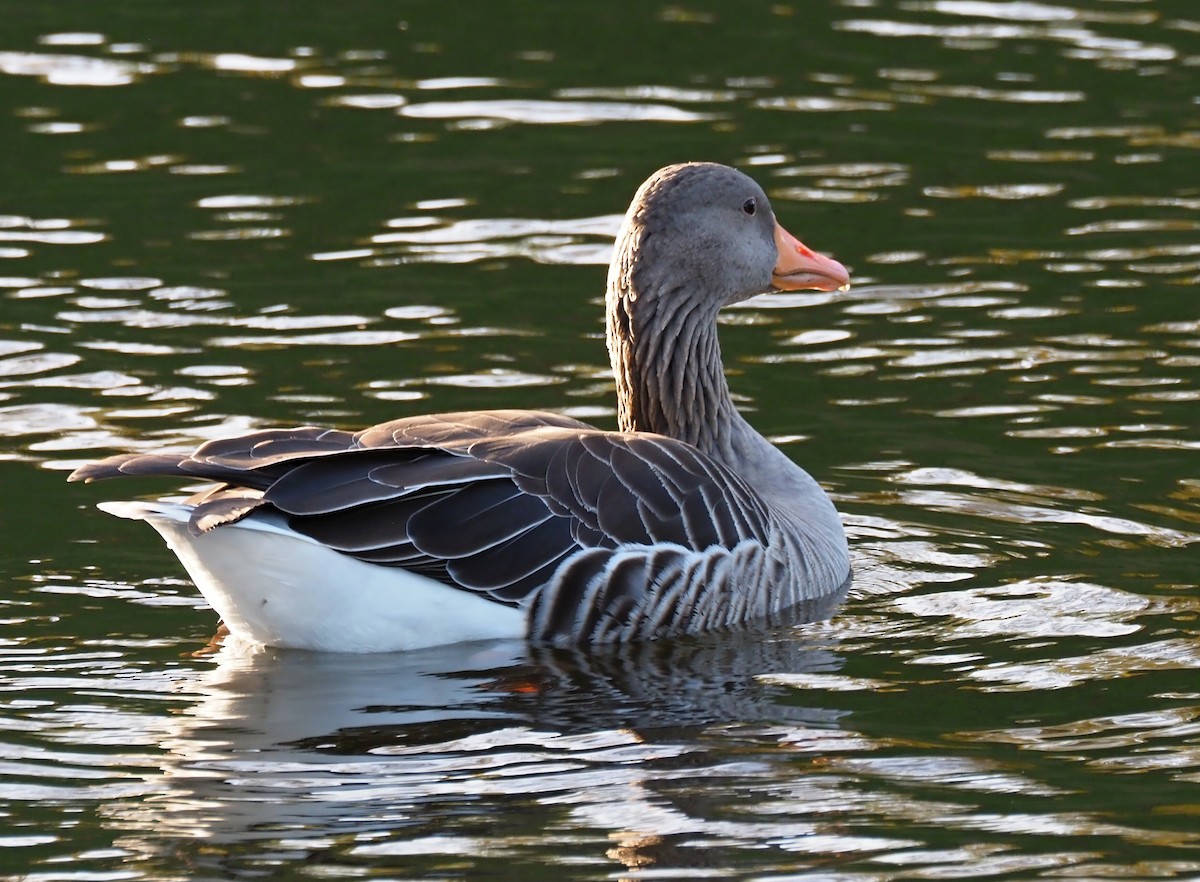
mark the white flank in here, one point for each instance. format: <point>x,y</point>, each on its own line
<point>274,586</point>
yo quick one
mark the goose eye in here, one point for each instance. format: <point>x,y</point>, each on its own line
<point>749,206</point>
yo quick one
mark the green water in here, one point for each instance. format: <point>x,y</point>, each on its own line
<point>220,216</point>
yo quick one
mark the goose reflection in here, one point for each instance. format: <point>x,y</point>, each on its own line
<point>293,750</point>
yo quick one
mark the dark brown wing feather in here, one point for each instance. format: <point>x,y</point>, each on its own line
<point>493,502</point>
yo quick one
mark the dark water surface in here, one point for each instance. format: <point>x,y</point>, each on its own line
<point>225,215</point>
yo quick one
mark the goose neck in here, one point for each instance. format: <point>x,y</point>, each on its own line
<point>666,359</point>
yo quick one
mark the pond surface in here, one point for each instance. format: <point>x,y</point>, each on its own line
<point>226,215</point>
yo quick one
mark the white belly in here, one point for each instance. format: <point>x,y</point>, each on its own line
<point>277,587</point>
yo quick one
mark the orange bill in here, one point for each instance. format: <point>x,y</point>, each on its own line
<point>800,268</point>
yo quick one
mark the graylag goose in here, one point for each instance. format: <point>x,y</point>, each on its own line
<point>512,523</point>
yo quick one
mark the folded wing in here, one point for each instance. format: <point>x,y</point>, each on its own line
<point>517,505</point>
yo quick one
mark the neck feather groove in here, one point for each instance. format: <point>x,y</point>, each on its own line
<point>667,362</point>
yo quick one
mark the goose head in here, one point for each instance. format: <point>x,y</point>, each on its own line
<point>707,232</point>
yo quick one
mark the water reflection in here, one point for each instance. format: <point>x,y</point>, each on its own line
<point>74,70</point>
<point>280,745</point>
<point>433,240</point>
<point>636,756</point>
<point>44,231</point>
<point>549,112</point>
<point>1025,21</point>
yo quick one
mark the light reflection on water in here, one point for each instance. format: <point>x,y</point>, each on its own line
<point>343,225</point>
<point>305,755</point>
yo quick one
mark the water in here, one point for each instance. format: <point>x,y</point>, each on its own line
<point>234,215</point>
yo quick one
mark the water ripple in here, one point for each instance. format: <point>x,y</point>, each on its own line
<point>74,70</point>
<point>546,112</point>
<point>1104,664</point>
<point>325,226</point>
<point>1027,11</point>
<point>1040,607</point>
<point>429,239</point>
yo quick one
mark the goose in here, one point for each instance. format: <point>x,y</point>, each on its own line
<point>518,524</point>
